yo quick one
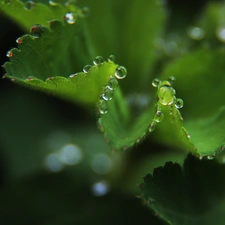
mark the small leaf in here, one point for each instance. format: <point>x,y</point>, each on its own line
<point>193,195</point>
<point>45,63</point>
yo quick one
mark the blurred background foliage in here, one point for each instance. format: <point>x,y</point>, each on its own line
<point>56,167</point>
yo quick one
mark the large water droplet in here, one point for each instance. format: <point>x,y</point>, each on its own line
<point>54,2</point>
<point>70,154</point>
<point>85,11</point>
<point>103,109</point>
<point>19,40</point>
<point>152,126</point>
<point>111,58</point>
<point>121,72</point>
<point>179,103</point>
<point>166,95</point>
<point>101,164</point>
<point>87,68</point>
<point>98,60</point>
<point>29,5</point>
<point>196,33</point>
<point>107,94</point>
<point>156,82</point>
<point>9,54</point>
<point>100,188</point>
<point>220,33</point>
<point>158,116</point>
<point>113,83</point>
<point>36,30</point>
<point>70,18</point>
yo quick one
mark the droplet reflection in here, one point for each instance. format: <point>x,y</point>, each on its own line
<point>100,188</point>
<point>53,163</point>
<point>70,154</point>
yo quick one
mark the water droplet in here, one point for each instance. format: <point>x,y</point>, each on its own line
<point>171,80</point>
<point>107,94</point>
<point>196,33</point>
<point>36,30</point>
<point>70,18</point>
<point>100,188</point>
<point>188,136</point>
<point>101,164</point>
<point>70,154</point>
<point>29,5</point>
<point>54,2</point>
<point>220,33</point>
<point>211,157</point>
<point>87,68</point>
<point>111,58</point>
<point>19,40</point>
<point>73,75</point>
<point>85,11</point>
<point>121,72</point>
<point>179,103</point>
<point>53,163</point>
<point>103,109</point>
<point>9,54</point>
<point>166,95</point>
<point>158,116</point>
<point>156,82</point>
<point>113,83</point>
<point>152,126</point>
<point>98,60</point>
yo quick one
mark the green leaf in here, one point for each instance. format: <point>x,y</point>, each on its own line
<point>131,29</point>
<point>45,63</point>
<point>28,13</point>
<point>122,128</point>
<point>193,195</point>
<point>200,83</point>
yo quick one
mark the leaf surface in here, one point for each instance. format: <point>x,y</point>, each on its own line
<point>50,61</point>
<point>191,195</point>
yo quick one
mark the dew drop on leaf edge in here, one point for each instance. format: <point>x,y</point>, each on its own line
<point>179,103</point>
<point>111,58</point>
<point>121,72</point>
<point>98,60</point>
<point>107,94</point>
<point>70,17</point>
<point>156,82</point>
<point>87,68</point>
<point>113,83</point>
<point>152,126</point>
<point>158,116</point>
<point>103,109</point>
<point>19,40</point>
<point>36,30</point>
<point>9,54</point>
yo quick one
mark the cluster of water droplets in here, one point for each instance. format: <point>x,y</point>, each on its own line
<point>108,91</point>
<point>166,97</point>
